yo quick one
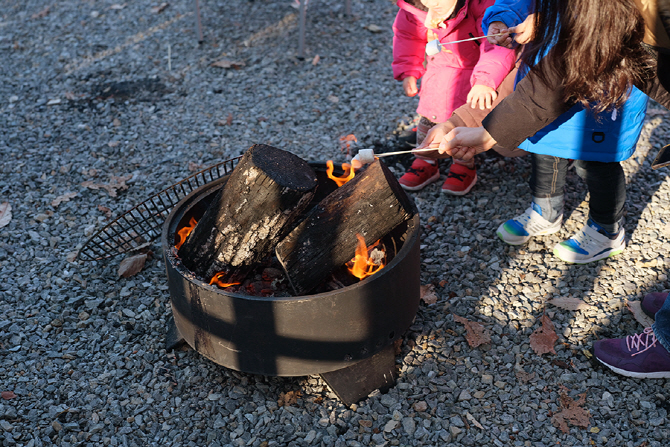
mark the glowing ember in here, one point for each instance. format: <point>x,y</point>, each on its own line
<point>349,173</point>
<point>184,232</point>
<point>362,265</point>
<point>216,279</point>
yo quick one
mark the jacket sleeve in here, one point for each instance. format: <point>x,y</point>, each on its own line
<point>510,12</point>
<point>494,63</point>
<point>532,106</point>
<point>409,46</point>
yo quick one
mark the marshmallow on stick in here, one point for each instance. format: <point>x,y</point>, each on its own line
<point>365,156</point>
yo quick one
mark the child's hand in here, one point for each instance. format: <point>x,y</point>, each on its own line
<point>409,85</point>
<point>524,31</point>
<point>505,40</point>
<point>482,95</point>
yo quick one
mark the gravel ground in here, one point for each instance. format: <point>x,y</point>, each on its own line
<point>96,91</point>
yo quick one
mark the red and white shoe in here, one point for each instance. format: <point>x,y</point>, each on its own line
<point>460,180</point>
<point>419,175</point>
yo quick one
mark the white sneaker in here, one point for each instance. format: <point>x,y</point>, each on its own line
<point>590,244</point>
<point>517,231</point>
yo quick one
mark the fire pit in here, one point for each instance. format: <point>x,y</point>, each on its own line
<point>346,335</point>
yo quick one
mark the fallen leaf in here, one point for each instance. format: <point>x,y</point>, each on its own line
<point>132,266</point>
<point>70,96</point>
<point>5,214</point>
<point>475,333</point>
<point>194,167</point>
<point>571,412</point>
<point>64,198</point>
<point>116,183</point>
<point>71,256</point>
<point>229,119</point>
<point>225,63</point>
<point>543,338</point>
<point>316,59</point>
<point>474,421</point>
<point>8,395</point>
<point>524,377</point>
<point>288,398</point>
<point>569,303</point>
<point>635,308</point>
<point>43,13</point>
<point>428,294</point>
<point>374,28</point>
<point>105,210</point>
<point>160,8</point>
<point>113,143</point>
<point>116,122</point>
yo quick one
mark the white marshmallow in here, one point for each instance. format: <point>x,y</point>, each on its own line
<point>366,156</point>
<point>433,47</point>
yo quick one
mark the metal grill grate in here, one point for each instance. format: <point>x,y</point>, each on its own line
<point>140,225</point>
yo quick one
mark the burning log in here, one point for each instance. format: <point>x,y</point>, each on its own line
<point>266,192</point>
<point>371,204</point>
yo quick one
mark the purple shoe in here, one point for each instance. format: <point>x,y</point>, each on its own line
<point>640,356</point>
<point>652,302</point>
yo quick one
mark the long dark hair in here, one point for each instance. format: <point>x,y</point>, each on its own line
<point>596,50</point>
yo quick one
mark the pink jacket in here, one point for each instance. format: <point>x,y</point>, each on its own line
<point>449,75</point>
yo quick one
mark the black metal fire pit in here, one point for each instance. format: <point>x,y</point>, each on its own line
<point>346,335</point>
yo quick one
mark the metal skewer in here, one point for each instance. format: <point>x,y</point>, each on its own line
<point>472,38</point>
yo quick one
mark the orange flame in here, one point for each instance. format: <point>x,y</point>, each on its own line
<point>184,232</point>
<point>346,142</point>
<point>216,279</point>
<point>349,173</point>
<point>361,265</point>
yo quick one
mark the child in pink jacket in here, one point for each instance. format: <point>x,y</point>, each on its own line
<point>467,72</point>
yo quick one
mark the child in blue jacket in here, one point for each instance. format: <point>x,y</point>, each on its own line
<point>597,143</point>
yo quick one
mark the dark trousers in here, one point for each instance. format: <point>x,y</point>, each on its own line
<point>605,180</point>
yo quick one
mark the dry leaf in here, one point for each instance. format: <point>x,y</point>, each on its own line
<point>194,167</point>
<point>43,13</point>
<point>113,143</point>
<point>569,303</point>
<point>474,421</point>
<point>116,183</point>
<point>5,214</point>
<point>543,338</point>
<point>64,198</point>
<point>105,210</point>
<point>524,377</point>
<point>288,398</point>
<point>72,256</point>
<point>132,266</point>
<point>475,333</point>
<point>229,119</point>
<point>571,413</point>
<point>635,308</point>
<point>428,294</point>
<point>374,28</point>
<point>316,59</point>
<point>160,8</point>
<point>8,395</point>
<point>116,122</point>
<point>225,63</point>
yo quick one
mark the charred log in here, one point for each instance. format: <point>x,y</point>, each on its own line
<point>266,192</point>
<point>371,204</point>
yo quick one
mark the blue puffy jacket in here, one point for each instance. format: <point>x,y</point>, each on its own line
<point>578,133</point>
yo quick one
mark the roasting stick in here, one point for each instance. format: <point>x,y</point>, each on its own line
<point>368,155</point>
<point>414,151</point>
